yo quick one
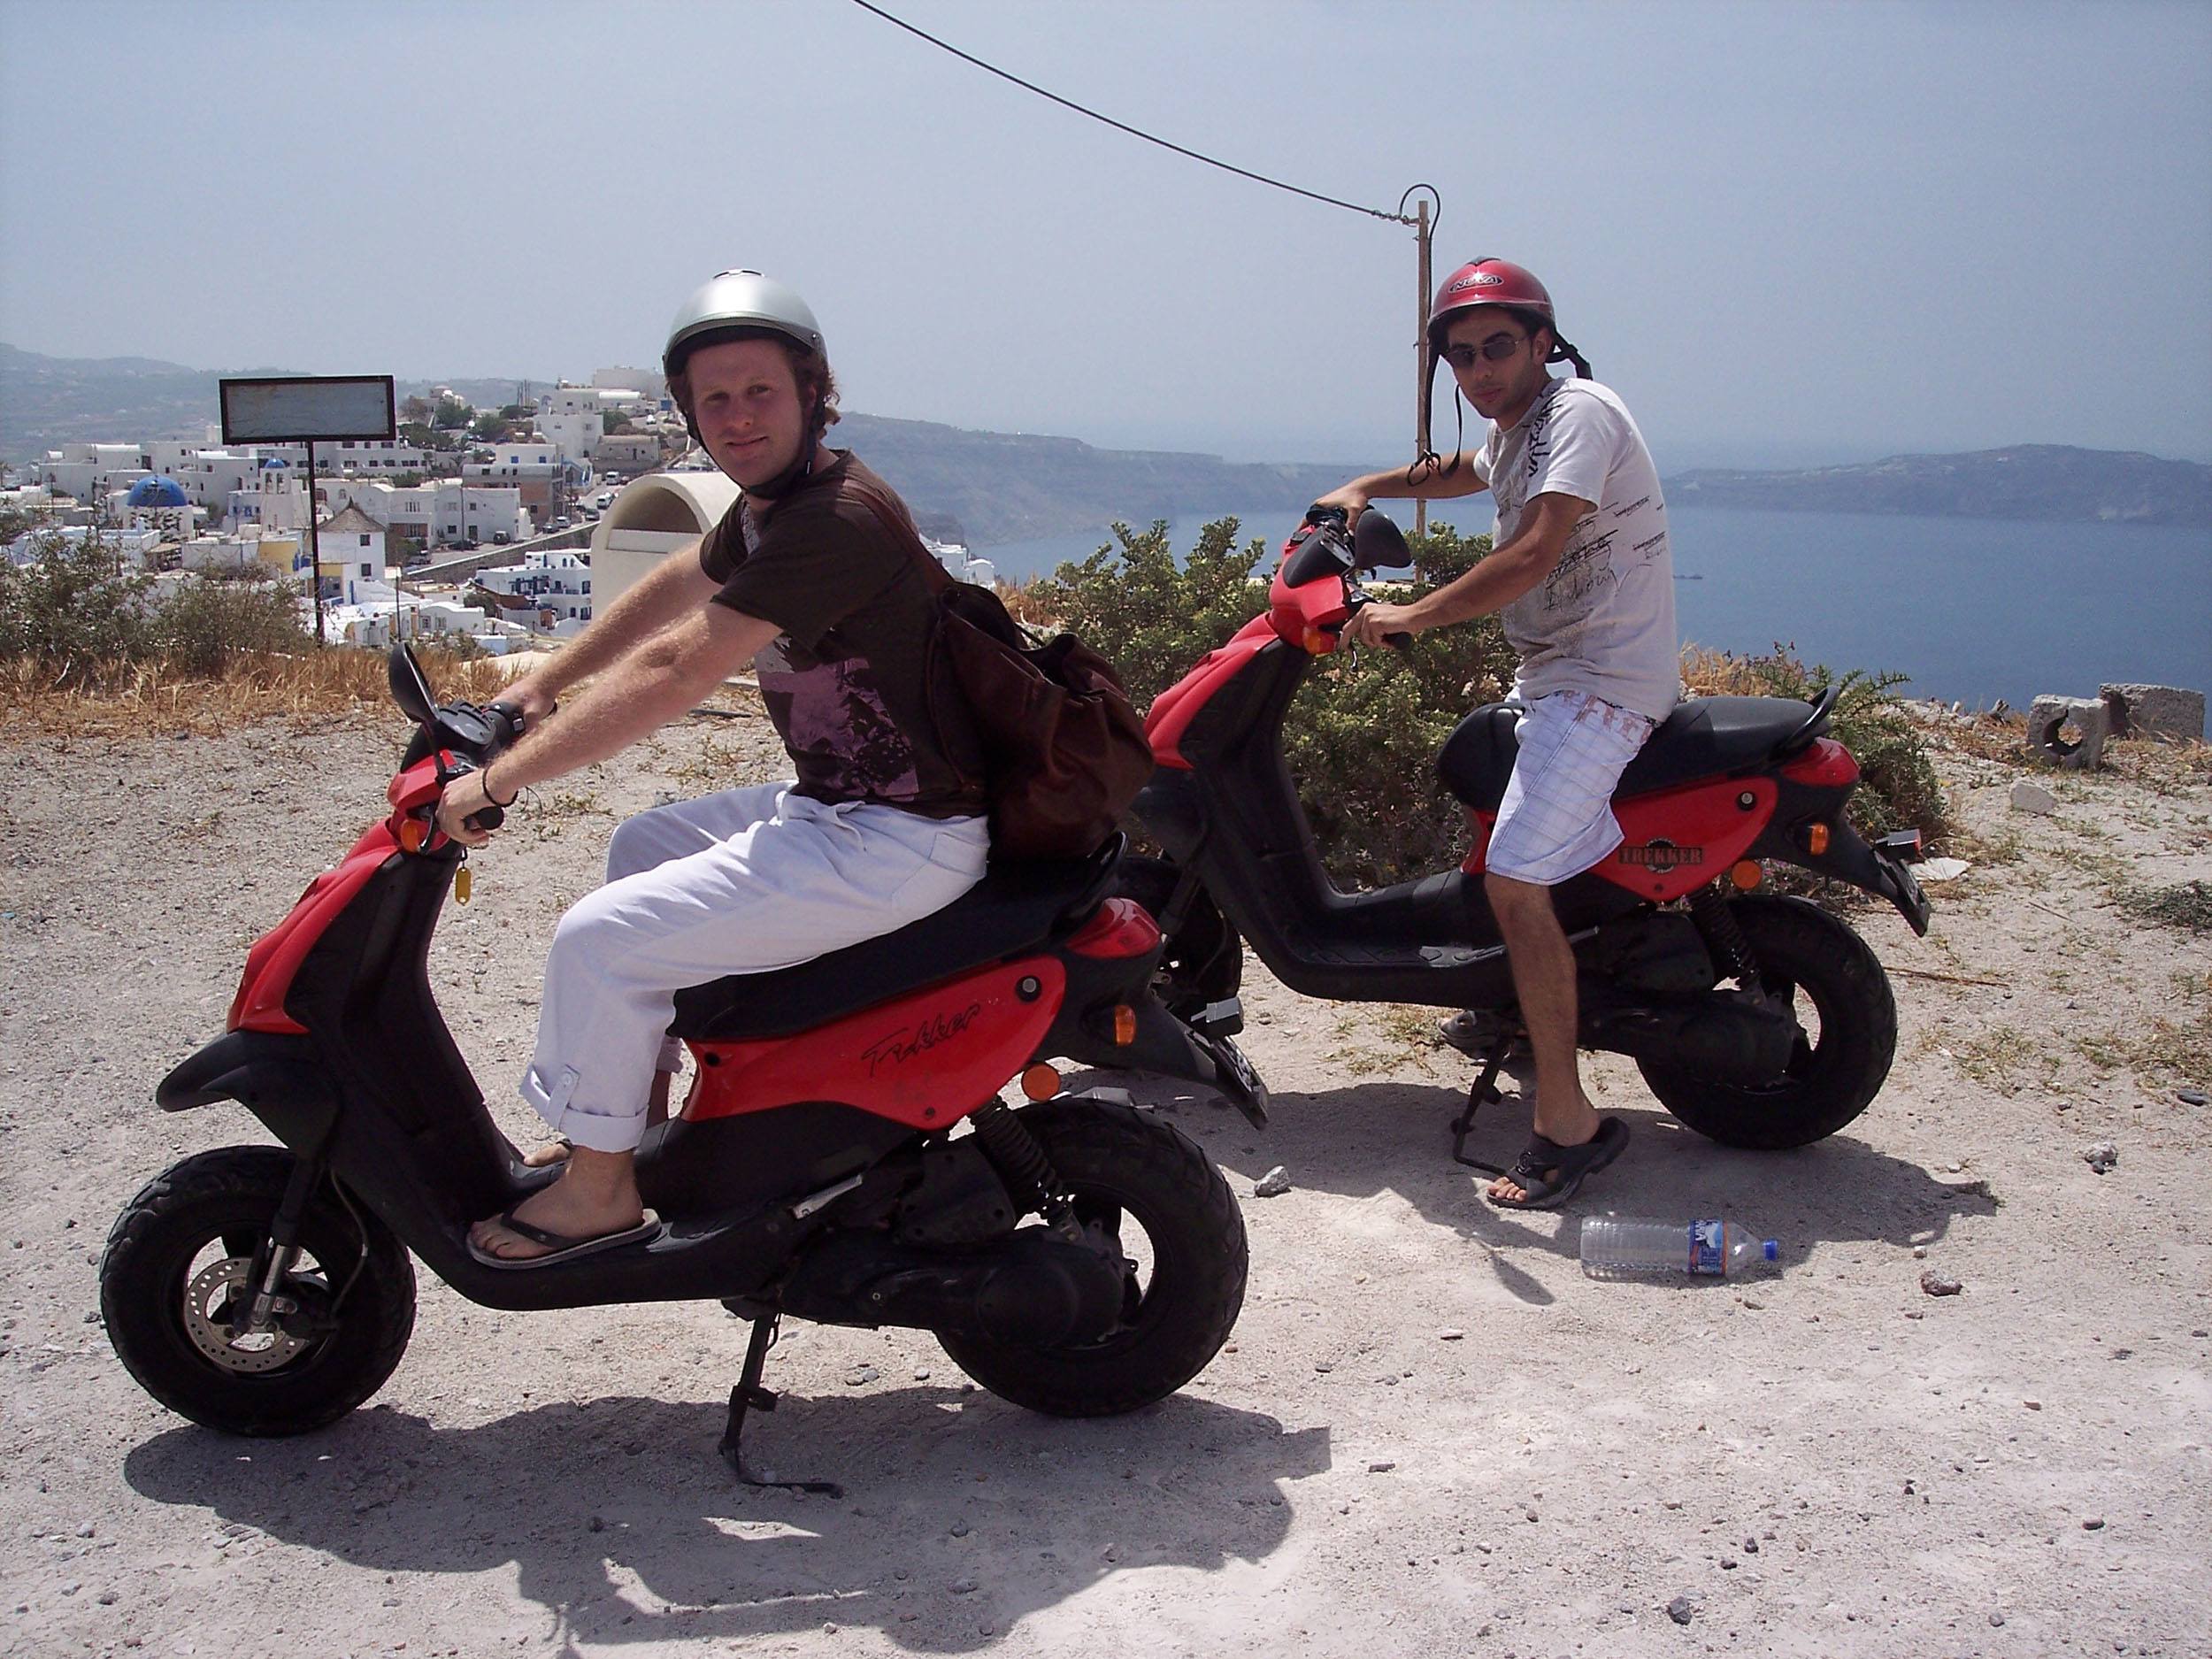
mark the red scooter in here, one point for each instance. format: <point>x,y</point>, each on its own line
<point>843,1155</point>
<point>1760,1021</point>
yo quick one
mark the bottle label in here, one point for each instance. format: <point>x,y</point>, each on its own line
<point>1705,1248</point>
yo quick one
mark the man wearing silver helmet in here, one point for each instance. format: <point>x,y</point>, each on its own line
<point>806,580</point>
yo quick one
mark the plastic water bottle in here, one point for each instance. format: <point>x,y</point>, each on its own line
<point>1616,1248</point>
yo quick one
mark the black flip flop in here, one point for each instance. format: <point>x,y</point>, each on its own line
<point>1568,1166</point>
<point>559,1245</point>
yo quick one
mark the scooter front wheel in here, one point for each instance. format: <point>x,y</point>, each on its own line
<point>1147,1188</point>
<point>1825,972</point>
<point>175,1289</point>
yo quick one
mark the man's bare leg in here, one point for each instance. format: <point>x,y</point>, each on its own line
<point>1544,978</point>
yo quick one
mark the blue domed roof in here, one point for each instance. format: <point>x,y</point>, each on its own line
<point>268,461</point>
<point>157,492</point>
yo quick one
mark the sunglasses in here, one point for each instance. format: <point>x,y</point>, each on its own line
<point>1497,349</point>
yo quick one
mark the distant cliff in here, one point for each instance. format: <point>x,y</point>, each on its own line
<point>1012,487</point>
<point>2029,481</point>
<point>48,401</point>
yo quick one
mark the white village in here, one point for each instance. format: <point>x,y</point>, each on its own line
<point>488,530</point>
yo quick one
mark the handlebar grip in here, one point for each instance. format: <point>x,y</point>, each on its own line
<point>491,818</point>
<point>1397,641</point>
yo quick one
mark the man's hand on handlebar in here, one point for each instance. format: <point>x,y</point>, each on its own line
<point>1349,501</point>
<point>1377,624</point>
<point>463,799</point>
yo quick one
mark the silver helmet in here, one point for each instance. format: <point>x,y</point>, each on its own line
<point>739,300</point>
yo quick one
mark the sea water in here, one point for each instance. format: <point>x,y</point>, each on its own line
<point>1970,609</point>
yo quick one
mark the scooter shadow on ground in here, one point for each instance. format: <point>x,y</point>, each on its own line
<point>637,1532</point>
<point>1835,1191</point>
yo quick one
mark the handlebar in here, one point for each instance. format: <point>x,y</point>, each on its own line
<point>508,723</point>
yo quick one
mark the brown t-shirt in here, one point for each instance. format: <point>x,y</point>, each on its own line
<point>845,681</point>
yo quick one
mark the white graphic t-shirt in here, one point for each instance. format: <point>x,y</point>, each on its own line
<point>1602,622</point>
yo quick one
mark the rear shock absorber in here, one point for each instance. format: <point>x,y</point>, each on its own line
<point>1022,1164</point>
<point>1718,927</point>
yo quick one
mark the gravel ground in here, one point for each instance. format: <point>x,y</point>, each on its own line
<point>1431,1433</point>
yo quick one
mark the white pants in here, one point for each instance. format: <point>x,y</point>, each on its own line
<point>740,882</point>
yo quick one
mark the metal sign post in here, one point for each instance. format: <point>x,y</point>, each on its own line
<point>306,408</point>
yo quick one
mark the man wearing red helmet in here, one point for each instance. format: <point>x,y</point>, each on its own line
<point>1580,575</point>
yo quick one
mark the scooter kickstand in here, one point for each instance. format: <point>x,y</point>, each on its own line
<point>749,1394</point>
<point>1482,1091</point>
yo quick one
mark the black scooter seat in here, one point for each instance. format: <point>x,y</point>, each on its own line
<point>1705,737</point>
<point>1015,908</point>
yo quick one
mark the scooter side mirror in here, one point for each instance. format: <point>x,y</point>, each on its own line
<point>1378,544</point>
<point>410,689</point>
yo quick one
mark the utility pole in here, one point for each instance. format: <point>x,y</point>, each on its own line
<point>1427,211</point>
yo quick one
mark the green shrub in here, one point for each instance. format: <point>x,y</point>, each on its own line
<point>1360,741</point>
<point>75,609</point>
<point>85,619</point>
<point>1898,788</point>
<point>204,625</point>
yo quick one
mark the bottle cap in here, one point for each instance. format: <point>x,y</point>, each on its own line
<point>1772,1249</point>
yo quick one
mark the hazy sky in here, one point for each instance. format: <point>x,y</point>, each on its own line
<point>1787,233</point>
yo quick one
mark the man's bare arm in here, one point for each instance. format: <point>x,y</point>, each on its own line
<point>672,588</point>
<point>1497,581</point>
<point>1450,482</point>
<point>654,681</point>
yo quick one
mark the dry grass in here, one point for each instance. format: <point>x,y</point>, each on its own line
<point>311,689</point>
<point>2187,906</point>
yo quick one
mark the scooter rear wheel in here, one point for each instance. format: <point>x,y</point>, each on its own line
<point>175,1277</point>
<point>1811,957</point>
<point>1124,1167</point>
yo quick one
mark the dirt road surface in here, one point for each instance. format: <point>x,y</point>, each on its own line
<point>1430,1434</point>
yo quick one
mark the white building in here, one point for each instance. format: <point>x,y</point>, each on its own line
<point>364,457</point>
<point>89,472</point>
<point>353,544</point>
<point>557,584</point>
<point>130,546</point>
<point>444,513</point>
<point>158,504</point>
<point>573,417</point>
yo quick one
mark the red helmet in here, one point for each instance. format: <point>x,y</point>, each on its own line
<point>1486,282</point>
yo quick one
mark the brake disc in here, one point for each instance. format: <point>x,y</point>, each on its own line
<point>209,1299</point>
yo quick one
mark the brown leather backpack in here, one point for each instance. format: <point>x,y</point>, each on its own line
<point>1064,751</point>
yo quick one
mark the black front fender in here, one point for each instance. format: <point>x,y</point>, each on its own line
<point>276,1078</point>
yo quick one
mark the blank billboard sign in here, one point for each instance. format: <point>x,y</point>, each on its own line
<point>308,407</point>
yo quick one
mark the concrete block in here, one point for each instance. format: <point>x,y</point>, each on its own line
<point>2156,711</point>
<point>2069,732</point>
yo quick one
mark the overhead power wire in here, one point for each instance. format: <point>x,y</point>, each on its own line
<point>1123,126</point>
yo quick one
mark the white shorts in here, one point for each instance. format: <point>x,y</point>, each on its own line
<point>1556,818</point>
<point>740,882</point>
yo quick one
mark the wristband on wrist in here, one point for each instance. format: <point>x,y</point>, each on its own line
<point>484,778</point>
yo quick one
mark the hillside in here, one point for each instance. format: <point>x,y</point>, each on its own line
<point>2029,481</point>
<point>47,402</point>
<point>1009,487</point>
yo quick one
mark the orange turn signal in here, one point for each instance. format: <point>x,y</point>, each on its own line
<point>1317,643</point>
<point>1816,839</point>
<point>412,833</point>
<point>1125,1024</point>
<point>1746,873</point>
<point>1041,1082</point>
